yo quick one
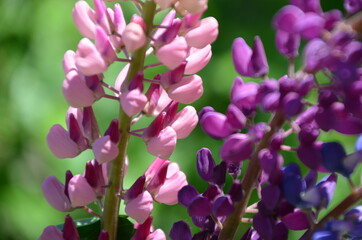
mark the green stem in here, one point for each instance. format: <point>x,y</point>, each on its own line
<point>112,201</point>
<point>249,181</point>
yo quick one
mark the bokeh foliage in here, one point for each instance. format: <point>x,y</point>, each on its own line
<point>34,35</point>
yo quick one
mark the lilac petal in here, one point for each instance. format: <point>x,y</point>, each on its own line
<point>311,26</point>
<point>199,206</point>
<point>269,160</point>
<point>292,104</point>
<point>235,117</point>
<point>316,54</point>
<point>205,164</point>
<point>296,221</point>
<point>308,5</point>
<point>223,206</point>
<point>270,101</point>
<point>219,174</point>
<point>205,110</point>
<point>308,134</point>
<point>258,65</point>
<point>246,95</point>
<point>287,43</point>
<point>180,231</point>
<point>241,53</point>
<point>186,195</point>
<point>236,148</point>
<point>287,18</point>
<point>307,116</point>
<point>216,125</point>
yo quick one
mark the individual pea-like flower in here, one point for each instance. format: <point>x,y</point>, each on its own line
<point>69,231</point>
<point>249,62</point>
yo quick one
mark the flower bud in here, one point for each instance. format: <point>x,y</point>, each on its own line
<point>287,43</point>
<point>205,164</point>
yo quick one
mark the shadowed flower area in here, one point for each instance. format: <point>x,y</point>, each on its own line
<point>35,34</point>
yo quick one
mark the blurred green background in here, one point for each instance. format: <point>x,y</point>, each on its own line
<point>34,35</point>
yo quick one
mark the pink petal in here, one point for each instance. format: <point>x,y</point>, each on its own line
<point>133,37</point>
<point>60,143</point>
<point>198,59</point>
<point>140,208</point>
<point>185,121</point>
<point>53,191</point>
<point>133,102</point>
<point>203,34</point>
<point>104,149</point>
<point>80,192</point>
<point>186,91</point>
<point>84,19</point>
<point>174,53</point>
<point>163,145</point>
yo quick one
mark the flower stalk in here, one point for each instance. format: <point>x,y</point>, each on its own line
<point>112,201</point>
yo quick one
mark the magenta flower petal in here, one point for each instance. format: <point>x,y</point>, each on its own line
<point>80,192</point>
<point>53,191</point>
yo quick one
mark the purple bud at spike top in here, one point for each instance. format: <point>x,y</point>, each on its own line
<point>205,164</point>
<point>236,148</point>
<point>180,231</point>
<point>249,62</point>
<point>51,233</point>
